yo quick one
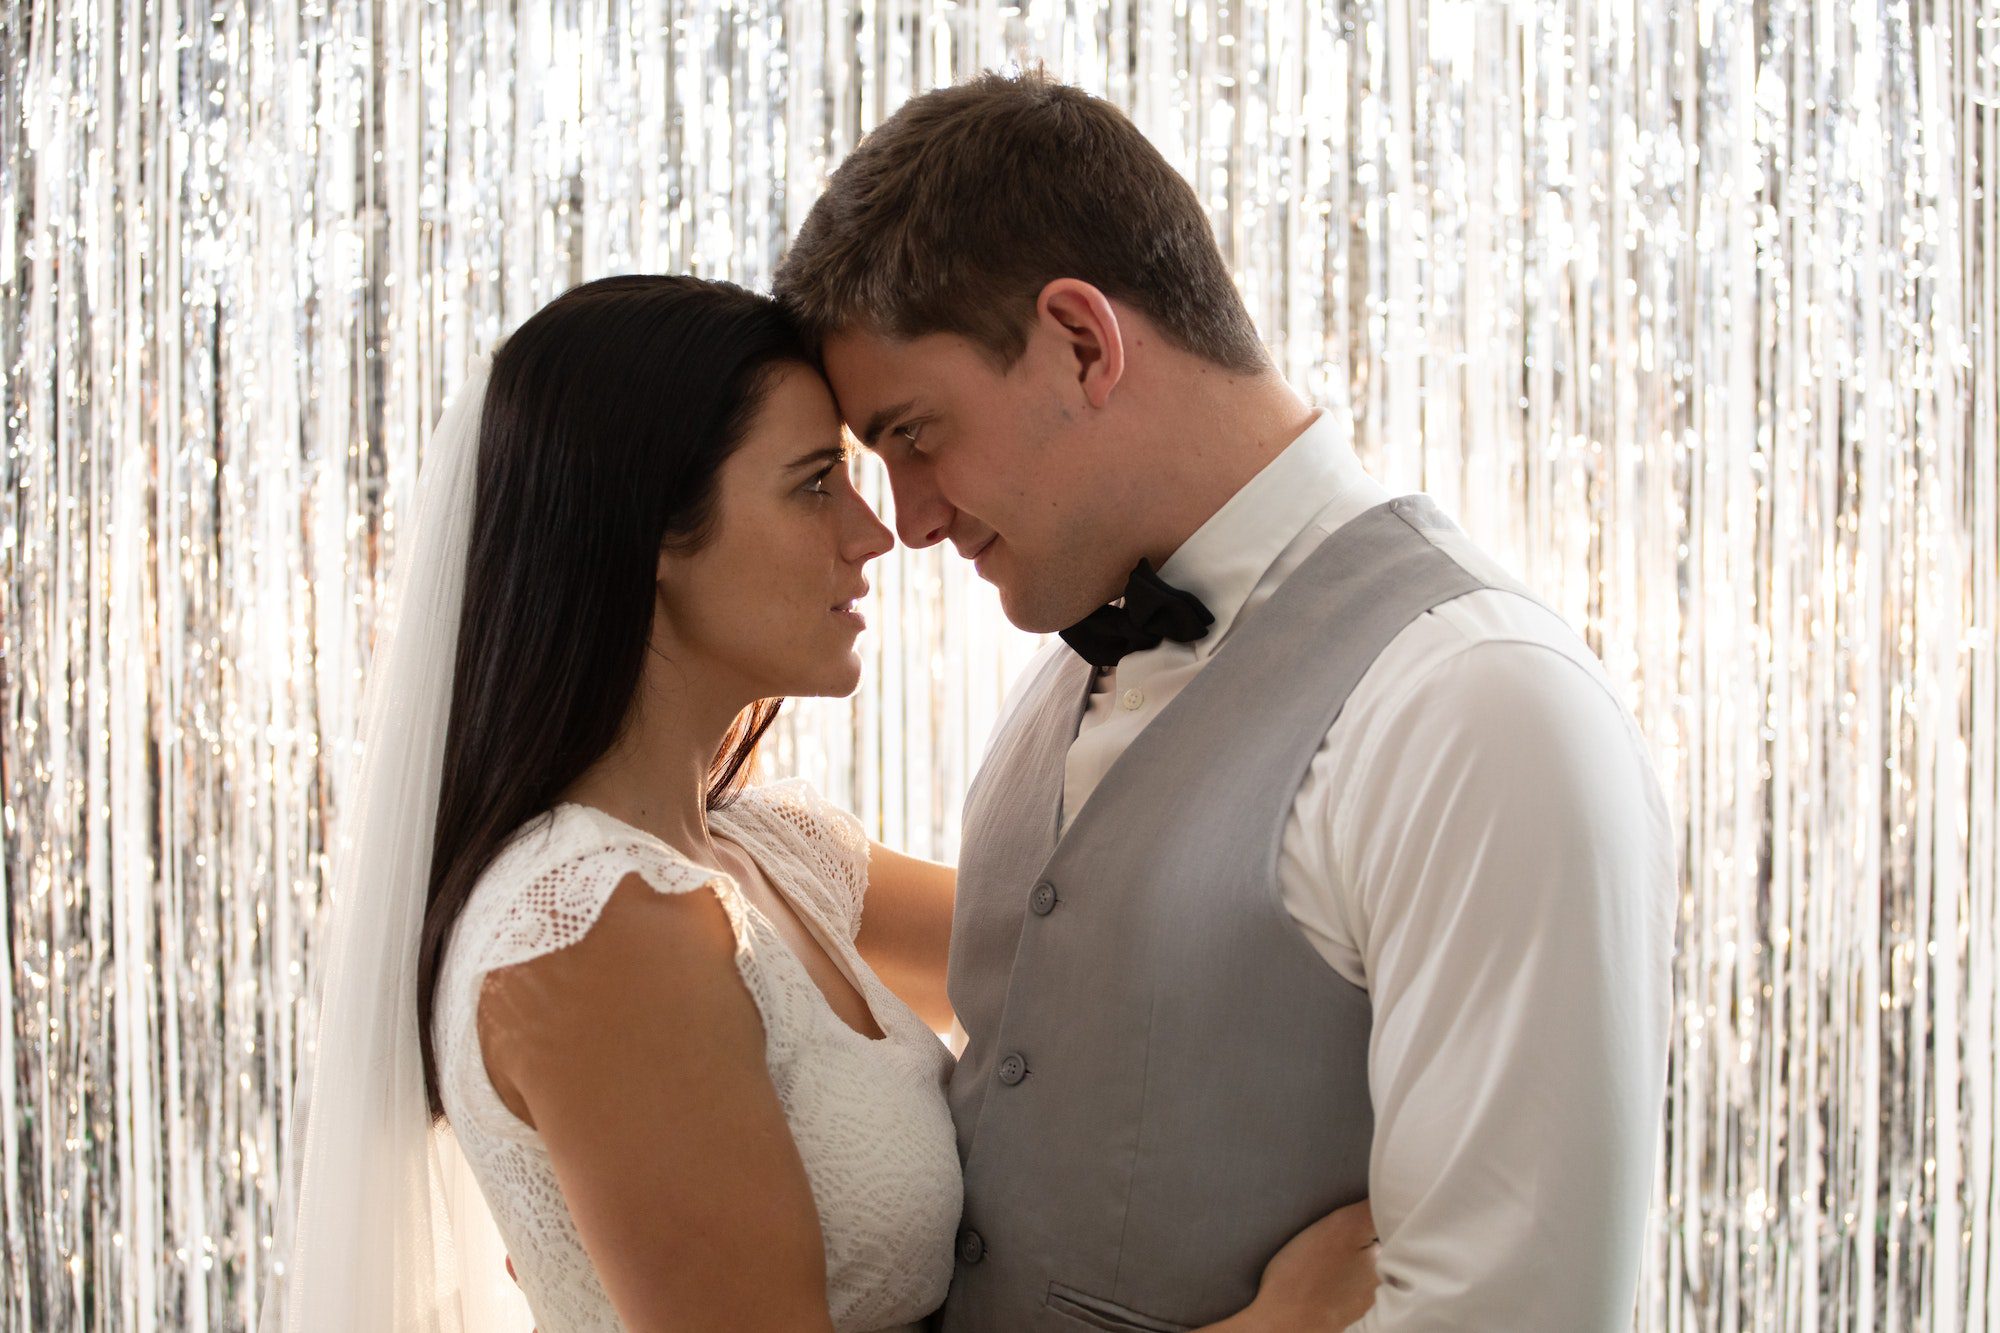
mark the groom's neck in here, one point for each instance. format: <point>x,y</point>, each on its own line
<point>1204,433</point>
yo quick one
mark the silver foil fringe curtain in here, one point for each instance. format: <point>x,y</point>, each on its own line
<point>1688,310</point>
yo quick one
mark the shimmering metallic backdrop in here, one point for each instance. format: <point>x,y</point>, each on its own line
<point>1688,310</point>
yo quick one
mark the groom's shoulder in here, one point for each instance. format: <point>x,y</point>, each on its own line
<point>1045,660</point>
<point>1499,620</point>
<point>1429,520</point>
<point>1498,660</point>
<point>1503,610</point>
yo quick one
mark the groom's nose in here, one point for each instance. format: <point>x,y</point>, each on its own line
<point>923,515</point>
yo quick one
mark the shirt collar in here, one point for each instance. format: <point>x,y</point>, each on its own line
<point>1317,476</point>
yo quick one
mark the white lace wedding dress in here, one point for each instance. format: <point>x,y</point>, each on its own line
<point>869,1116</point>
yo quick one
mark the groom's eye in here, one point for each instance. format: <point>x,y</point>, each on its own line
<point>908,432</point>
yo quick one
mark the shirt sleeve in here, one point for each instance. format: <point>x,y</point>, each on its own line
<point>1509,878</point>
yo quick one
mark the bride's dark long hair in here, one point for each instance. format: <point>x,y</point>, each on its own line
<point>606,421</point>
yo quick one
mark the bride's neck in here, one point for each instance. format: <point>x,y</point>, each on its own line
<point>655,777</point>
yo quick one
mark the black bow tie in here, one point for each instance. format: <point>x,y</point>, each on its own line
<point>1154,610</point>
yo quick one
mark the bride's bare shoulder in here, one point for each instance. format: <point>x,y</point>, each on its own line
<point>654,976</point>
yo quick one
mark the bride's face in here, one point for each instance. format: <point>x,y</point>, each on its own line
<point>769,603</point>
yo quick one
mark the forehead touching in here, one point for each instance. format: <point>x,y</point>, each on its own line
<point>797,412</point>
<point>868,379</point>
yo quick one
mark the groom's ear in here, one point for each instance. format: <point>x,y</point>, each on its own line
<point>1082,316</point>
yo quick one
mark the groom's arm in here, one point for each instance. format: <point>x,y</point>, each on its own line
<point>1510,881</point>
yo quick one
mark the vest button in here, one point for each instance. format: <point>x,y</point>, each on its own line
<point>971,1248</point>
<point>1013,1069</point>
<point>1043,899</point>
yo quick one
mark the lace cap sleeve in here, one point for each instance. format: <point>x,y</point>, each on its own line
<point>558,903</point>
<point>828,839</point>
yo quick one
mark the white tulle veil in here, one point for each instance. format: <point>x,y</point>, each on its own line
<point>380,1225</point>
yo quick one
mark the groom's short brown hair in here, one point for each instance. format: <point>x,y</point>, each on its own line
<point>954,213</point>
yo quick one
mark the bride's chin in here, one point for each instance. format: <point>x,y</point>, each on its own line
<point>839,680</point>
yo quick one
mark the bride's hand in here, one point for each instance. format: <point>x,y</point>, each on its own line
<point>1324,1278</point>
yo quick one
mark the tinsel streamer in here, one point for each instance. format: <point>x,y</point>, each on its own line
<point>1688,311</point>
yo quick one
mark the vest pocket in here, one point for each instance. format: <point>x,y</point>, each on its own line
<point>1097,1312</point>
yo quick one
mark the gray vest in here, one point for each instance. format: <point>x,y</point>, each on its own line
<point>1164,1081</point>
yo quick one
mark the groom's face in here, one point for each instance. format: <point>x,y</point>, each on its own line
<point>993,461</point>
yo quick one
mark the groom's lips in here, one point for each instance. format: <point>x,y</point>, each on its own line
<point>984,546</point>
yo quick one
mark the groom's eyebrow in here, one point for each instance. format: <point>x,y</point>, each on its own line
<point>882,420</point>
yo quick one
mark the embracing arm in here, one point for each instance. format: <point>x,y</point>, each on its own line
<point>906,929</point>
<point>1512,870</point>
<point>1322,1281</point>
<point>638,1056</point>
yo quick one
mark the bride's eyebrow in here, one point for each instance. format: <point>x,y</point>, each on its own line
<point>833,453</point>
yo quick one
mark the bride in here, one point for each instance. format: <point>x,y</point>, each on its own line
<point>679,1028</point>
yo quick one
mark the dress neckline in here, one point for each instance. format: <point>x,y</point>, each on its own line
<point>806,916</point>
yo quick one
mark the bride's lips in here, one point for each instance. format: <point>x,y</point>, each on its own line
<point>845,610</point>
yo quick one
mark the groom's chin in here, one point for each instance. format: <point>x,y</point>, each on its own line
<point>1032,614</point>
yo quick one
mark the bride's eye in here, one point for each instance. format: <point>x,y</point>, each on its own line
<point>817,486</point>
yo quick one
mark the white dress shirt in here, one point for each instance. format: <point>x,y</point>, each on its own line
<point>1480,843</point>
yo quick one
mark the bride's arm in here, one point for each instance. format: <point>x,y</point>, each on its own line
<point>906,929</point>
<point>1322,1281</point>
<point>637,1054</point>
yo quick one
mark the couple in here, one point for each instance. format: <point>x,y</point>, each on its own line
<point>1315,868</point>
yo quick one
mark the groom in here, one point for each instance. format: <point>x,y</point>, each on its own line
<point>1318,859</point>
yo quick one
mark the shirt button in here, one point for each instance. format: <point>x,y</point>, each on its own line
<point>970,1247</point>
<point>1043,899</point>
<point>1132,698</point>
<point>1013,1069</point>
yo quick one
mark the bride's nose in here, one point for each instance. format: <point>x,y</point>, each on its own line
<point>865,536</point>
